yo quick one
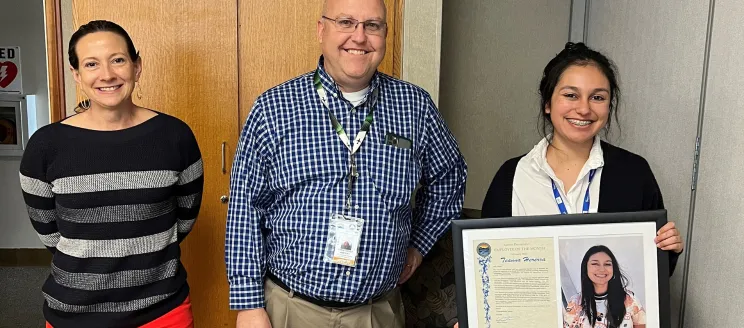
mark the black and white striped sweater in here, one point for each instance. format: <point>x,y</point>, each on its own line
<point>113,206</point>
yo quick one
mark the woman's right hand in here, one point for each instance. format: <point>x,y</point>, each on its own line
<point>668,238</point>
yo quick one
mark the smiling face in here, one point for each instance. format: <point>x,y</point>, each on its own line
<point>600,269</point>
<point>351,58</point>
<point>580,105</point>
<point>106,72</point>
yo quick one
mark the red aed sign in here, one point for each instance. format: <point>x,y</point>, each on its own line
<point>10,70</point>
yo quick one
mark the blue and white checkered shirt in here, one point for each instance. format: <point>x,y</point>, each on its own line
<point>290,175</point>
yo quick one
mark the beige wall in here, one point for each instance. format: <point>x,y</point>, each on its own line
<point>68,27</point>
<point>493,53</point>
<point>422,40</point>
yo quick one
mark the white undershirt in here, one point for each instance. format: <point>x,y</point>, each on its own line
<point>356,98</point>
<point>532,192</point>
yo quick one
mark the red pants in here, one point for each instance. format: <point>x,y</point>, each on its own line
<point>180,317</point>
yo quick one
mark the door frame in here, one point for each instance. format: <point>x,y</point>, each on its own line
<point>55,59</point>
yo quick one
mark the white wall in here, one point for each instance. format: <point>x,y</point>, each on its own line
<point>22,24</point>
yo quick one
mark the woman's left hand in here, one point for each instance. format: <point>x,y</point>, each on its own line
<point>668,238</point>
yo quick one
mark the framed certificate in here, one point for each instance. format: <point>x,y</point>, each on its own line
<point>556,271</point>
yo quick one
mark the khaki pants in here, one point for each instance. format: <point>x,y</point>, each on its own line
<point>287,311</point>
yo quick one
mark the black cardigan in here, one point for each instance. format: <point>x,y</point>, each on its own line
<point>628,185</point>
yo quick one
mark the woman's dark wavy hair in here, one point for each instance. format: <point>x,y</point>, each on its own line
<point>99,26</point>
<point>576,54</point>
<point>616,290</point>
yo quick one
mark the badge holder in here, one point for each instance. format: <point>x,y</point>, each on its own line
<point>344,234</point>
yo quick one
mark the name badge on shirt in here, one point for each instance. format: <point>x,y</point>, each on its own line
<point>342,245</point>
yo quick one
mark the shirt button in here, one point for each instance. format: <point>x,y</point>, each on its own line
<point>343,300</point>
<point>356,207</point>
<point>348,273</point>
<point>353,110</point>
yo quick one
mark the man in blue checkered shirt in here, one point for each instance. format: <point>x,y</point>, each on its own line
<point>320,227</point>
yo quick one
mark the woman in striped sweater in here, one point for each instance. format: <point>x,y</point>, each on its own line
<point>112,191</point>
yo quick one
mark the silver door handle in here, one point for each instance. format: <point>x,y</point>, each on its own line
<point>224,170</point>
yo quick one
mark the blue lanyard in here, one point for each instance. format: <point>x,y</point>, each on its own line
<point>559,199</point>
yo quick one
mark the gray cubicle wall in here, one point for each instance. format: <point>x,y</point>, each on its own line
<point>659,48</point>
<point>676,90</point>
<point>716,275</point>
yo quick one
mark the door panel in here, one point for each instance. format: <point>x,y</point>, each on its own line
<point>189,52</point>
<point>205,62</point>
<point>278,41</point>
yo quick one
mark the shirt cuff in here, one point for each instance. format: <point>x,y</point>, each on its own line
<point>247,295</point>
<point>422,242</point>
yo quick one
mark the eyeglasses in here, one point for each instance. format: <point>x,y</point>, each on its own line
<point>349,25</point>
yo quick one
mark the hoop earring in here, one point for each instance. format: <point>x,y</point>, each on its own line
<point>83,106</point>
<point>139,91</point>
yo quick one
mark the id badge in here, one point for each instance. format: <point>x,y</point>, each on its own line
<point>342,245</point>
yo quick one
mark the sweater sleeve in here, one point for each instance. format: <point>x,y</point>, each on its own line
<point>190,184</point>
<point>653,200</point>
<point>498,200</point>
<point>37,189</point>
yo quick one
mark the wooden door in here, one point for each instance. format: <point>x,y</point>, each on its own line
<point>205,62</point>
<point>189,51</point>
<point>278,41</point>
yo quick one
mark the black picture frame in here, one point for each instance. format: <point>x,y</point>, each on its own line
<point>658,216</point>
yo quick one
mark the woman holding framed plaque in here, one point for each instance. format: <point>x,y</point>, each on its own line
<point>571,170</point>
